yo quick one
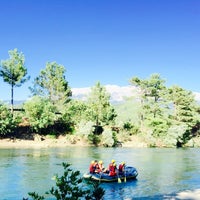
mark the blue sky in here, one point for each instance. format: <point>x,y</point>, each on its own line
<point>109,41</point>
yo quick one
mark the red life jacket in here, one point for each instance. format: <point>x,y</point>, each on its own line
<point>121,168</point>
<point>91,168</point>
<point>97,168</point>
<point>112,169</point>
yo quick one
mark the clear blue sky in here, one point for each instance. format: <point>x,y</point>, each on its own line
<point>109,41</point>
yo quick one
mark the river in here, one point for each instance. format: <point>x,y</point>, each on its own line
<point>162,171</point>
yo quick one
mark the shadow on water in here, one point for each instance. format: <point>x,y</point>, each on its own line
<point>121,190</point>
<point>128,191</point>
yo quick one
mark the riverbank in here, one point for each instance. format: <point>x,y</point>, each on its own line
<point>46,142</point>
<point>37,141</point>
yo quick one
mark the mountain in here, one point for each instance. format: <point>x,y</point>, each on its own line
<point>17,102</point>
<point>118,93</point>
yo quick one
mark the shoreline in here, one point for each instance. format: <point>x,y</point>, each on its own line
<point>7,143</point>
<point>61,141</point>
<point>58,142</point>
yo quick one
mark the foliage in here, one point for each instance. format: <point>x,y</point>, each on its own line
<point>85,128</point>
<point>152,91</point>
<point>152,102</point>
<point>154,113</point>
<point>153,105</point>
<point>13,70</point>
<point>40,113</point>
<point>7,122</point>
<point>94,139</point>
<point>51,84</point>
<point>107,138</point>
<point>71,187</point>
<point>128,111</point>
<point>130,128</point>
<point>127,126</point>
<point>184,107</point>
<point>75,111</point>
<point>99,108</point>
<point>175,135</point>
<point>164,108</point>
<point>159,127</point>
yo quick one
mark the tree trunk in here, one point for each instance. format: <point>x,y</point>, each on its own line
<point>12,99</point>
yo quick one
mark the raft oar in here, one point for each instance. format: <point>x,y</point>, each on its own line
<point>119,180</point>
<point>124,175</point>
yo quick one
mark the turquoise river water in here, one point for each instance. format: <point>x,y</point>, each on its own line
<point>161,172</point>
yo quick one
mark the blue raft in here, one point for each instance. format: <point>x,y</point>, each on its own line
<point>130,173</point>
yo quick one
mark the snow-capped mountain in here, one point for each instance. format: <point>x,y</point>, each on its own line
<point>117,93</point>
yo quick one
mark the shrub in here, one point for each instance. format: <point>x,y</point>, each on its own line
<point>7,121</point>
<point>40,113</point>
<point>71,187</point>
<point>175,135</point>
<point>107,138</point>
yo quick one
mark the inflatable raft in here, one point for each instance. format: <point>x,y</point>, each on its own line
<point>129,173</point>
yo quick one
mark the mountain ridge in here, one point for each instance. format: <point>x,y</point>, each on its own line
<point>117,93</point>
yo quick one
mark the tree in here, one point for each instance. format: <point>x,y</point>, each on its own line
<point>51,84</point>
<point>13,70</point>
<point>153,106</point>
<point>40,113</point>
<point>184,107</point>
<point>183,112</point>
<point>99,107</point>
<point>75,112</point>
<point>151,90</point>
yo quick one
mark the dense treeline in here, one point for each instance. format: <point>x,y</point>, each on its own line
<point>159,115</point>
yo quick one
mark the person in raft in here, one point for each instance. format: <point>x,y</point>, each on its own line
<point>121,168</point>
<point>101,167</point>
<point>112,168</point>
<point>94,167</point>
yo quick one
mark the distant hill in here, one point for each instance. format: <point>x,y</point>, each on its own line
<point>17,102</point>
<point>118,94</point>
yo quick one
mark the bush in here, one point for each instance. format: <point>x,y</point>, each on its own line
<point>40,113</point>
<point>175,135</point>
<point>71,187</point>
<point>85,128</point>
<point>7,121</point>
<point>107,138</point>
<point>94,139</point>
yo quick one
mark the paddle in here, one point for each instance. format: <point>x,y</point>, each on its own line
<point>124,174</point>
<point>119,180</point>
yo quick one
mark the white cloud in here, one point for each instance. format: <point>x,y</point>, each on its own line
<point>117,93</point>
<point>80,93</point>
<point>197,96</point>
